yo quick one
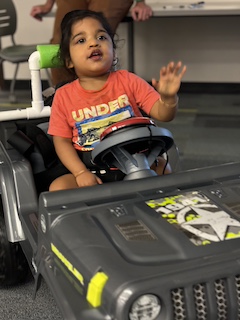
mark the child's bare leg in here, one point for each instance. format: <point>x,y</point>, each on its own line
<point>159,166</point>
<point>67,181</point>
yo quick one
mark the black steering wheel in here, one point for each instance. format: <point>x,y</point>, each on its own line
<point>132,146</point>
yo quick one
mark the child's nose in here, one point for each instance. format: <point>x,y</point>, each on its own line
<point>94,43</point>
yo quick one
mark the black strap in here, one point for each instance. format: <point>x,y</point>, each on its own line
<point>22,143</point>
<point>42,143</point>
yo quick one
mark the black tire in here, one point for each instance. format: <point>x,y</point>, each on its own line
<point>13,264</point>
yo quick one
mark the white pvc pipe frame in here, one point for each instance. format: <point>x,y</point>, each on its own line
<point>37,110</point>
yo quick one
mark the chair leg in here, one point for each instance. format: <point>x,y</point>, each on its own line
<point>2,82</point>
<point>12,96</point>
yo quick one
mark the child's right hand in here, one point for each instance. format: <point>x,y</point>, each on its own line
<point>87,179</point>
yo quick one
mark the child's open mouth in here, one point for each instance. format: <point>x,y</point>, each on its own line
<point>96,55</point>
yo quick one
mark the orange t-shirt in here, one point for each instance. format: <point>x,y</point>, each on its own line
<point>83,115</point>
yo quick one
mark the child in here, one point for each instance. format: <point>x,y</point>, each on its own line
<point>99,96</point>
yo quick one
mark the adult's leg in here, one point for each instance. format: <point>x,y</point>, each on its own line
<point>63,7</point>
<point>114,10</point>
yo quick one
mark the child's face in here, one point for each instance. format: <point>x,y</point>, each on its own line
<point>91,48</point>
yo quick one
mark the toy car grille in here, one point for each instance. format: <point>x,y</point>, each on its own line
<point>218,290</point>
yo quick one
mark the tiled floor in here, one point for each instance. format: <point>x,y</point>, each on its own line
<point>206,131</point>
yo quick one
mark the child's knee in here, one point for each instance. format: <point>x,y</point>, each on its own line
<point>63,183</point>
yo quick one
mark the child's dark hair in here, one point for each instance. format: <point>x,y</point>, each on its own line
<point>66,30</point>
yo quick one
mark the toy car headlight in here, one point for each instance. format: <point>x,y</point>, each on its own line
<point>145,307</point>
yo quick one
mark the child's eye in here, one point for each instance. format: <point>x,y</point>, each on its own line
<point>102,38</point>
<point>81,40</point>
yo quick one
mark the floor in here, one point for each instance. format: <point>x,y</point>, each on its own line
<point>206,131</point>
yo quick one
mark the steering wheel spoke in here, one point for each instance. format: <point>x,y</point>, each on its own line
<point>132,146</point>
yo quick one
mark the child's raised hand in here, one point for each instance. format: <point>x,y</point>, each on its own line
<point>170,79</point>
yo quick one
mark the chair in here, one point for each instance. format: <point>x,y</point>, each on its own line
<point>16,53</point>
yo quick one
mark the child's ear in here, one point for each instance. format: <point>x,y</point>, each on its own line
<point>115,58</point>
<point>69,64</point>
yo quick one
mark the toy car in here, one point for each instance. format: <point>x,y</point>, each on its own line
<point>148,247</point>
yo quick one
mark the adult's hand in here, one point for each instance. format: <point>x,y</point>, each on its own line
<point>39,11</point>
<point>141,11</point>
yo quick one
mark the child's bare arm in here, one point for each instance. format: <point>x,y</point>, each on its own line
<point>168,86</point>
<point>70,159</point>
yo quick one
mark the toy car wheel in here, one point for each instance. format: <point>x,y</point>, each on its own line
<point>13,264</point>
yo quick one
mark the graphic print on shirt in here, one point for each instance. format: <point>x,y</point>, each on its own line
<point>89,130</point>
